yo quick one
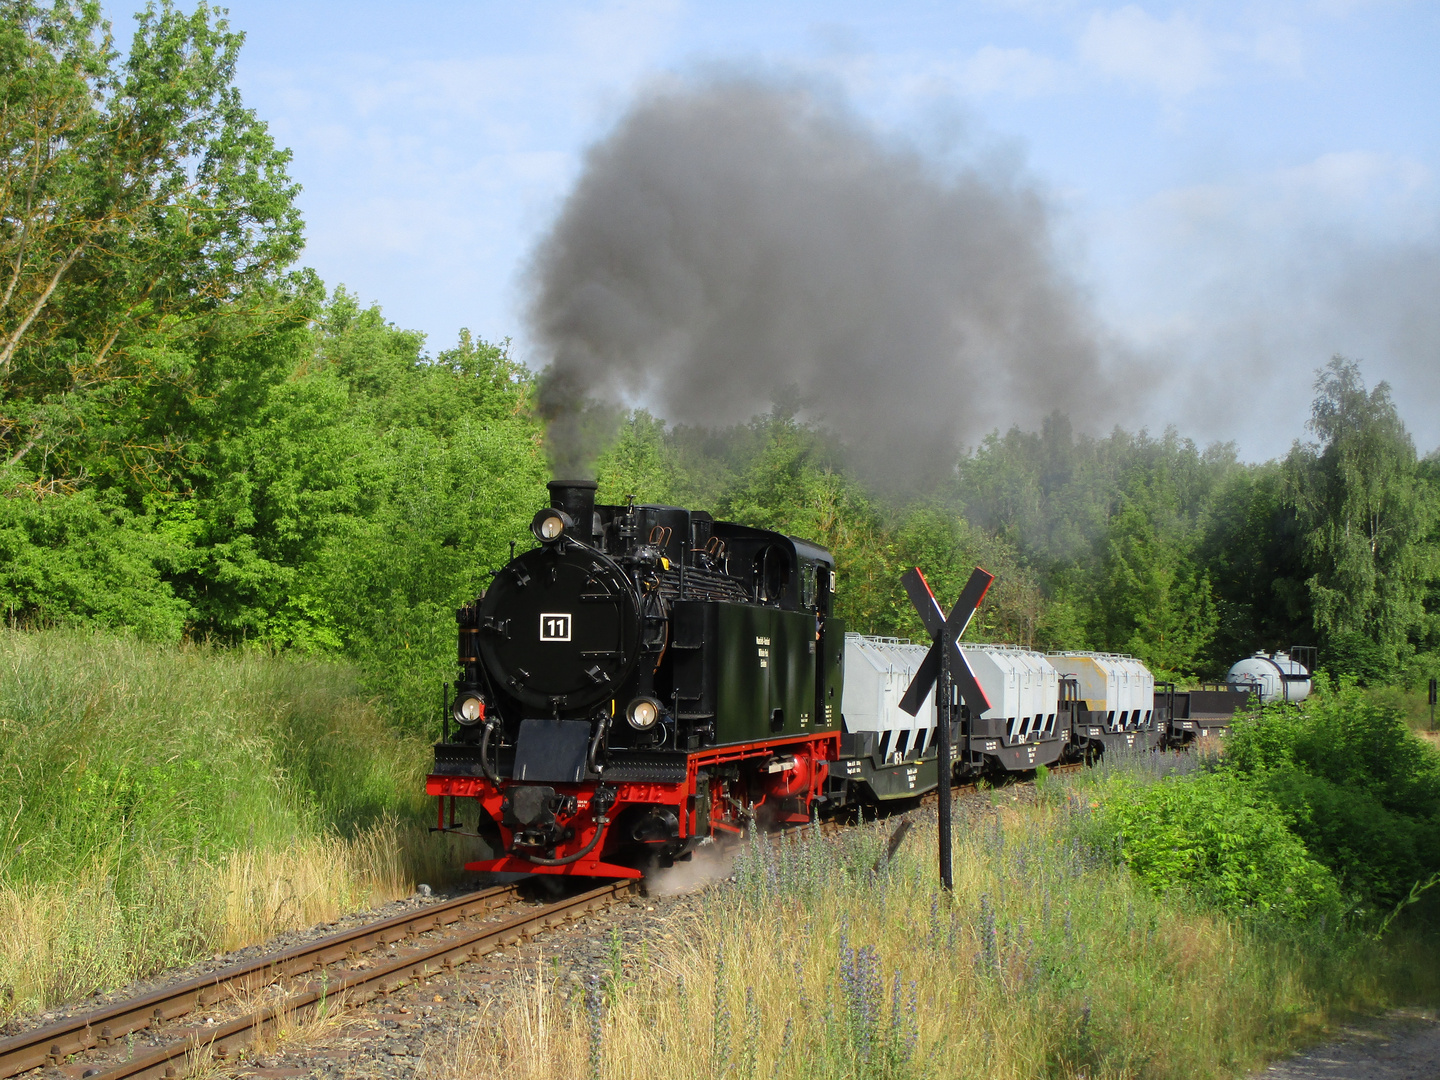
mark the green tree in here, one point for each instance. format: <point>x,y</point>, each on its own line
<point>1365,515</point>
<point>947,548</point>
<point>1252,553</point>
<point>434,467</point>
<point>1047,493</point>
<point>637,463</point>
<point>791,478</point>
<point>1155,603</point>
<point>1428,637</point>
<point>139,199</point>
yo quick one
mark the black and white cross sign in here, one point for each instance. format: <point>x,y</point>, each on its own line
<point>945,665</point>
<point>918,589</point>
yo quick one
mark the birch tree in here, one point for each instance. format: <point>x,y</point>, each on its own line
<point>1363,510</point>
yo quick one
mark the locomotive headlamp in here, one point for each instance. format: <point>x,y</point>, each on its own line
<point>642,713</point>
<point>469,710</point>
<point>549,525</point>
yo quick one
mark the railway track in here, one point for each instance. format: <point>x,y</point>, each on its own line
<point>103,1032</point>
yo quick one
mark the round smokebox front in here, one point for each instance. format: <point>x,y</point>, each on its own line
<point>560,630</point>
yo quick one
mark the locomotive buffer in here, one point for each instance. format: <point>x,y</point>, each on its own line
<point>945,664</point>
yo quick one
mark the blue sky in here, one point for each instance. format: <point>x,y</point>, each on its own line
<point>1242,189</point>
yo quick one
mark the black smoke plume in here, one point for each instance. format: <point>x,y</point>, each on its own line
<point>734,240</point>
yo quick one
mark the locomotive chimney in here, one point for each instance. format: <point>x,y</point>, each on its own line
<point>577,499</point>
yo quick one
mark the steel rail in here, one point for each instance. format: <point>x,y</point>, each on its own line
<point>106,1026</point>
<point>352,988</point>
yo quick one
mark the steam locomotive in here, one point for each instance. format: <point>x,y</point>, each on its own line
<point>643,679</point>
<point>647,678</point>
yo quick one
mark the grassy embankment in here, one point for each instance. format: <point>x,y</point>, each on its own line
<point>160,803</point>
<point>1050,959</point>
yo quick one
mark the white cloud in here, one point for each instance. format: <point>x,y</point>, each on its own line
<point>1247,287</point>
<point>1279,46</point>
<point>1175,56</point>
<point>1018,72</point>
<point>1356,182</point>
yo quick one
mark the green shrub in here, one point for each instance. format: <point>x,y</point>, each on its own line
<point>86,559</point>
<point>1358,788</point>
<point>1375,853</point>
<point>1218,839</point>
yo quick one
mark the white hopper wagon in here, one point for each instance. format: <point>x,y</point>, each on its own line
<point>1116,707</point>
<point>892,754</point>
<point>883,747</point>
<point>1021,729</point>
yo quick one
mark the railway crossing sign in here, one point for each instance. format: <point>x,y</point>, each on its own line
<point>918,589</point>
<point>945,665</point>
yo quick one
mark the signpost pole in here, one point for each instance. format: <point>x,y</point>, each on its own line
<point>943,696</point>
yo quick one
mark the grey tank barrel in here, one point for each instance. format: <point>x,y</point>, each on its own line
<point>577,499</point>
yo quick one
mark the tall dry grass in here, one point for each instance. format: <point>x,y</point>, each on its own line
<point>159,803</point>
<point>64,940</point>
<point>1046,961</point>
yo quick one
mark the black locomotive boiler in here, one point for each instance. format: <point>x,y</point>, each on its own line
<point>641,680</point>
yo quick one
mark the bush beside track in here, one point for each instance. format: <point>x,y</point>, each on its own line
<point>1330,810</point>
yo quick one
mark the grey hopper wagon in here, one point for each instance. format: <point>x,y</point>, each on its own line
<point>887,754</point>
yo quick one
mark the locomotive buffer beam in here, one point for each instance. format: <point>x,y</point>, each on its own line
<point>942,664</point>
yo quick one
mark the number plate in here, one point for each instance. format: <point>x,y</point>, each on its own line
<point>555,626</point>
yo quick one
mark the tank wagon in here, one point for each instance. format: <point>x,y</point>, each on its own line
<point>646,678</point>
<point>1271,677</point>
<point>1207,712</point>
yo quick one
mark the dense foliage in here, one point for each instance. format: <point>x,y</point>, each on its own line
<point>1329,809</point>
<point>1358,788</point>
<point>1222,841</point>
<point>197,440</point>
